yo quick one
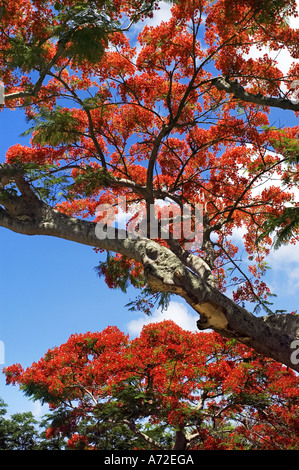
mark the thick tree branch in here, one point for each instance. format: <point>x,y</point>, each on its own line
<point>240,93</point>
<point>180,440</point>
<point>165,272</point>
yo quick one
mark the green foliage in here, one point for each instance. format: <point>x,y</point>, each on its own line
<point>50,184</point>
<point>53,127</point>
<point>84,28</point>
<point>118,274</point>
<point>3,426</point>
<point>284,226</point>
<point>94,102</point>
<point>148,299</point>
<point>37,393</point>
<point>90,179</point>
<point>289,148</point>
<point>22,432</point>
<point>19,432</point>
<point>266,10</point>
<point>23,55</point>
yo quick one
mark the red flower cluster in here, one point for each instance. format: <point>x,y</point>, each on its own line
<point>226,394</point>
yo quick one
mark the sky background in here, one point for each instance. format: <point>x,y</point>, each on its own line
<point>49,289</point>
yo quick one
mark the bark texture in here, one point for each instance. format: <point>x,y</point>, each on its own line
<point>234,88</point>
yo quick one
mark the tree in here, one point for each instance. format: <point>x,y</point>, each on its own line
<point>3,407</point>
<point>184,118</point>
<point>22,432</point>
<point>18,432</point>
<point>170,387</point>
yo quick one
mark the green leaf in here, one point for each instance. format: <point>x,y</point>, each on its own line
<point>91,179</point>
<point>283,226</point>
<point>54,127</point>
<point>22,55</point>
<point>84,30</point>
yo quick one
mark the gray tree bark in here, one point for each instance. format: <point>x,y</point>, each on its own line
<point>234,88</point>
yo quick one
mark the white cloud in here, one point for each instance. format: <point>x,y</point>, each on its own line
<point>275,180</point>
<point>285,255</point>
<point>163,14</point>
<point>283,57</point>
<point>176,312</point>
<point>238,233</point>
<point>270,179</point>
<point>39,410</point>
<point>285,270</point>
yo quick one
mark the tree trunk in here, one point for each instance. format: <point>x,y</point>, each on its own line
<point>180,441</point>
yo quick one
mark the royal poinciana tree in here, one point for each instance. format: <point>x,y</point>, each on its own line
<point>181,114</point>
<point>204,391</point>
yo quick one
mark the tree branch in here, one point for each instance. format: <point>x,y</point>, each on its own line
<point>240,93</point>
<point>164,270</point>
<point>271,336</point>
<point>132,426</point>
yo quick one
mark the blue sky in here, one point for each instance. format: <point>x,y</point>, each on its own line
<point>50,290</point>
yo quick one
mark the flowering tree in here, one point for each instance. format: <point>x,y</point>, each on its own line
<point>181,114</point>
<point>210,392</point>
